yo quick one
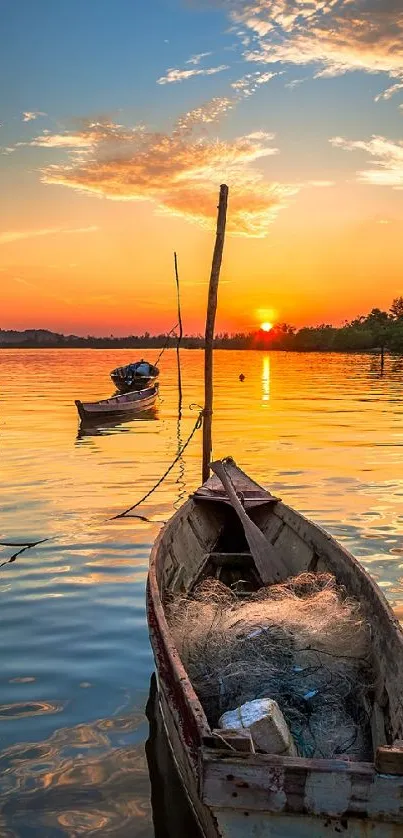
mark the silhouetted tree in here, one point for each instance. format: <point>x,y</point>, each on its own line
<point>396,308</point>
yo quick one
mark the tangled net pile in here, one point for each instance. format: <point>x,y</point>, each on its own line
<point>303,643</point>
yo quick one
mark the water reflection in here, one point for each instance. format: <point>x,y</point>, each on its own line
<point>266,379</point>
<point>172,813</point>
<point>119,424</point>
<point>91,780</point>
<point>85,780</point>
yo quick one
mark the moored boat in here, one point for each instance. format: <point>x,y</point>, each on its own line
<point>236,793</point>
<point>134,376</point>
<point>124,404</point>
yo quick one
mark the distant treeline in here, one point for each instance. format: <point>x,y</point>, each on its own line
<point>372,331</point>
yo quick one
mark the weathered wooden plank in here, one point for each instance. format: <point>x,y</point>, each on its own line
<point>270,523</point>
<point>206,521</point>
<point>235,824</point>
<point>243,484</point>
<point>233,559</point>
<point>169,570</point>
<point>294,550</point>
<point>377,726</point>
<point>188,552</point>
<point>332,788</point>
<point>389,758</point>
<point>234,740</point>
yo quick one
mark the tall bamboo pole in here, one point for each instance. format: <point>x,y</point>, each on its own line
<point>179,337</point>
<point>210,322</point>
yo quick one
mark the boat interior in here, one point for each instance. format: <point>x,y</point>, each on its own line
<point>206,539</point>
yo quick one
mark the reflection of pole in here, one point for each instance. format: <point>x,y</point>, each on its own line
<point>210,321</point>
<point>179,338</point>
<point>180,480</point>
<point>382,358</point>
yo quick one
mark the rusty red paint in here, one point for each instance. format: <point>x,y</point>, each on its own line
<point>174,686</point>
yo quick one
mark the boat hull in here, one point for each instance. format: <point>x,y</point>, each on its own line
<point>139,383</point>
<point>118,406</point>
<point>260,795</point>
<point>126,379</point>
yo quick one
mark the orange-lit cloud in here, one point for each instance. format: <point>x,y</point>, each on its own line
<point>179,171</point>
<point>175,75</point>
<point>387,160</point>
<point>17,235</point>
<point>335,35</point>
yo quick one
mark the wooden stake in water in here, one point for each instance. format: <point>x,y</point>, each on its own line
<point>179,338</point>
<point>210,322</point>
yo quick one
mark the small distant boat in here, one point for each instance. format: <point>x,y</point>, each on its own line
<point>122,405</point>
<point>134,376</point>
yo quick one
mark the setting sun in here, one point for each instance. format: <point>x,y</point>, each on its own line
<point>266,326</point>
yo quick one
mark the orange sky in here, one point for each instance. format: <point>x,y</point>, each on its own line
<point>116,274</point>
<point>105,173</point>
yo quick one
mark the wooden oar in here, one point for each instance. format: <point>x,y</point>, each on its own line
<point>268,561</point>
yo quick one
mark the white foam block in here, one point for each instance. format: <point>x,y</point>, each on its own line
<point>266,723</point>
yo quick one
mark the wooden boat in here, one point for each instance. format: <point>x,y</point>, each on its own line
<point>235,793</point>
<point>122,405</point>
<point>134,376</point>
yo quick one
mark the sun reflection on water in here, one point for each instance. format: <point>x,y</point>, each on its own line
<point>266,378</point>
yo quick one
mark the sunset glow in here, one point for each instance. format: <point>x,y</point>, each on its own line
<point>104,176</point>
<point>266,326</point>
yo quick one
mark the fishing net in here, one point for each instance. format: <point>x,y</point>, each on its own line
<point>303,643</point>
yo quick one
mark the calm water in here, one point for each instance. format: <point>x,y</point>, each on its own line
<point>323,431</point>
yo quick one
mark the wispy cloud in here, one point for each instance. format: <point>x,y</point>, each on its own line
<point>48,140</point>
<point>18,235</point>
<point>196,59</point>
<point>390,91</point>
<point>387,160</point>
<point>204,116</point>
<point>179,171</point>
<point>291,85</point>
<point>336,36</point>
<point>174,75</point>
<point>81,141</point>
<point>29,116</point>
<point>248,84</point>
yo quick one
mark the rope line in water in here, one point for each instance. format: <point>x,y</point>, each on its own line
<point>27,545</point>
<point>196,427</point>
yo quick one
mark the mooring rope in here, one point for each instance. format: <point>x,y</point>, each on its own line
<point>27,545</point>
<point>195,428</point>
<point>172,331</point>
